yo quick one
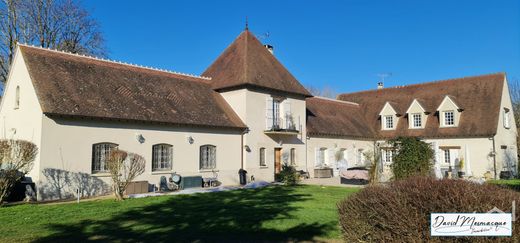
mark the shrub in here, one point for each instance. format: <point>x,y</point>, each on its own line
<point>400,211</point>
<point>16,160</point>
<point>288,175</point>
<point>413,157</point>
<point>124,167</point>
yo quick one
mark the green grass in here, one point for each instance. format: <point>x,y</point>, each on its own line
<point>277,213</point>
<point>513,184</point>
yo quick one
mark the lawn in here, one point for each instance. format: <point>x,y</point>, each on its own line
<point>513,184</point>
<point>276,213</point>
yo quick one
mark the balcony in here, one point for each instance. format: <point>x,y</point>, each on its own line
<point>282,126</point>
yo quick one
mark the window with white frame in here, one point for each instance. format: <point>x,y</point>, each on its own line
<point>387,156</point>
<point>208,157</point>
<point>100,154</point>
<point>262,157</point>
<point>416,120</point>
<point>320,157</point>
<point>389,122</point>
<point>447,157</point>
<point>449,118</point>
<point>162,156</point>
<point>507,118</point>
<point>276,113</point>
<point>293,156</point>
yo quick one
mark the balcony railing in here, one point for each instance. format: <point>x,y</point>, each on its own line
<point>283,125</point>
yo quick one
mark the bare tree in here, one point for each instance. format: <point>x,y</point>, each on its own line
<point>57,24</point>
<point>124,167</point>
<point>325,91</point>
<point>514,91</point>
<point>16,160</point>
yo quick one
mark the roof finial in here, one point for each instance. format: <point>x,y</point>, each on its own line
<point>247,24</point>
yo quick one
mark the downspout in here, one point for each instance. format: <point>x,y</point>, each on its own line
<point>242,150</point>
<point>242,147</point>
<point>494,158</point>
<point>306,151</point>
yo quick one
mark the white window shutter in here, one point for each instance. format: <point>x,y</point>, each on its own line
<point>331,158</point>
<point>505,114</point>
<point>286,113</point>
<point>269,113</point>
<point>317,159</point>
<point>345,157</point>
<point>454,156</point>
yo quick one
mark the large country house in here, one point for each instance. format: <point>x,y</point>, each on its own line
<point>245,111</point>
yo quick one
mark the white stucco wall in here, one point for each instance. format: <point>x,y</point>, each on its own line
<point>67,152</point>
<point>505,139</point>
<point>250,107</point>
<point>24,122</point>
<point>351,146</point>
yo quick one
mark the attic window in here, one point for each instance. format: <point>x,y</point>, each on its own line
<point>449,118</point>
<point>389,122</point>
<point>17,98</point>
<point>416,120</point>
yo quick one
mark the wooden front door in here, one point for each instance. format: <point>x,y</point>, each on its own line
<point>277,160</point>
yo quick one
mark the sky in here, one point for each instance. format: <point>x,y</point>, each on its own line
<point>342,45</point>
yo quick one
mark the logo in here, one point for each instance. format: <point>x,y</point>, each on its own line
<point>471,224</point>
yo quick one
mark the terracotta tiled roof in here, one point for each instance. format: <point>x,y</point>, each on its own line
<point>246,62</point>
<point>326,117</point>
<point>478,96</point>
<point>73,85</point>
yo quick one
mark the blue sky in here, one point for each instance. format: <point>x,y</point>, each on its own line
<point>340,44</point>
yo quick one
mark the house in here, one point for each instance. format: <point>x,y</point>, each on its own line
<point>245,111</point>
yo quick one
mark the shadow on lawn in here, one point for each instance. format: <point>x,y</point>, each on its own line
<point>223,216</point>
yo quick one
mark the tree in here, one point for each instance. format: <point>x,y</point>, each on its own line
<point>16,160</point>
<point>374,168</point>
<point>57,24</point>
<point>325,91</point>
<point>124,167</point>
<point>413,157</point>
<point>514,91</point>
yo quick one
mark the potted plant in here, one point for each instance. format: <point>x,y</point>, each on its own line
<point>460,171</point>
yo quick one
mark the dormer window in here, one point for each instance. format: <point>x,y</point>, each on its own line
<point>449,112</point>
<point>448,118</point>
<point>416,120</point>
<point>389,117</point>
<point>389,122</point>
<point>416,115</point>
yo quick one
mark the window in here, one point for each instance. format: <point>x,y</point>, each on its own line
<point>416,120</point>
<point>208,157</point>
<point>447,158</point>
<point>276,114</point>
<point>293,156</point>
<point>100,154</point>
<point>320,157</point>
<point>17,98</point>
<point>449,118</point>
<point>162,156</point>
<point>386,155</point>
<point>389,122</point>
<point>507,118</point>
<point>262,157</point>
<point>360,157</point>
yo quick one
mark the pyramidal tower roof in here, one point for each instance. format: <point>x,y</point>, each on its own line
<point>247,63</point>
